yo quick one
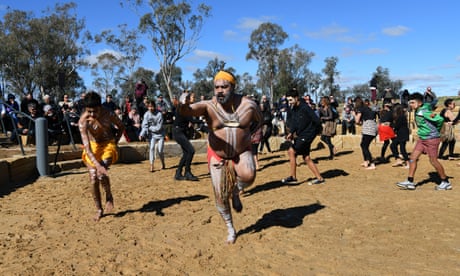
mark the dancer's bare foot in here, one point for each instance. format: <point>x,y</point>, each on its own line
<point>371,167</point>
<point>151,168</point>
<point>99,215</point>
<point>231,238</point>
<point>109,206</point>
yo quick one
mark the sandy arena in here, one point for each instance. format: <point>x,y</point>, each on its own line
<point>358,223</point>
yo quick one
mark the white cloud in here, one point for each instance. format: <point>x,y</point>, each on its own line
<point>349,52</point>
<point>425,78</point>
<point>208,54</point>
<point>92,59</point>
<point>203,56</point>
<point>249,24</point>
<point>328,32</point>
<point>396,30</point>
<point>335,32</point>
<point>229,34</point>
<point>374,51</point>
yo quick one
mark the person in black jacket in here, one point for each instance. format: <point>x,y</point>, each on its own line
<point>267,127</point>
<point>180,127</point>
<point>302,124</point>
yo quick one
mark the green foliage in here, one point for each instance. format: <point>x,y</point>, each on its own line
<point>263,47</point>
<point>331,74</point>
<point>127,45</point>
<point>173,30</point>
<point>35,50</point>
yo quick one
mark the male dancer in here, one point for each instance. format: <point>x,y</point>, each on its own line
<point>428,126</point>
<point>230,119</point>
<point>303,127</point>
<point>96,126</point>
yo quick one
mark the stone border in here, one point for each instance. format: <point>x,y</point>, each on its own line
<point>20,169</point>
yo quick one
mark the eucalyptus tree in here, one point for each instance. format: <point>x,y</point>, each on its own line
<point>174,87</point>
<point>293,70</point>
<point>42,53</point>
<point>126,43</point>
<point>174,30</point>
<point>263,47</point>
<point>331,74</point>
<point>203,84</point>
<point>247,85</point>
<point>381,80</point>
<point>104,70</point>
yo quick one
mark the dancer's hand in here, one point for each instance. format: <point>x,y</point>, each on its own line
<point>101,171</point>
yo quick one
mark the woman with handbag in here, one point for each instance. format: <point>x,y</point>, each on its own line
<point>329,125</point>
<point>448,130</point>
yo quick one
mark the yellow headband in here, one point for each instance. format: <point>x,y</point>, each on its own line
<point>222,75</point>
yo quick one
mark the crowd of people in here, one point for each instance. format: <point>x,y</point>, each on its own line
<point>239,128</point>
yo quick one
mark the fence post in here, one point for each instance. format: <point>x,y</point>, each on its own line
<point>41,144</point>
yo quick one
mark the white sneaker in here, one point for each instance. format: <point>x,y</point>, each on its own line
<point>407,185</point>
<point>444,186</point>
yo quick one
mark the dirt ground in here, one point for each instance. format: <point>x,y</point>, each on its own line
<point>357,223</point>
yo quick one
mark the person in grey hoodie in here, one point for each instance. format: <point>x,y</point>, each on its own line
<point>152,130</point>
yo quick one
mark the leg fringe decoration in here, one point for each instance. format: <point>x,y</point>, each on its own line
<point>228,178</point>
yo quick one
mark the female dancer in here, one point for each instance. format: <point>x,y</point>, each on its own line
<point>153,131</point>
<point>401,128</point>
<point>366,116</point>
<point>448,137</point>
<point>386,132</point>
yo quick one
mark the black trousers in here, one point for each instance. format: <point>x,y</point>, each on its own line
<point>268,128</point>
<point>365,143</point>
<point>187,149</point>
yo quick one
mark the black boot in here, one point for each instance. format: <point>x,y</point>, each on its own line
<point>189,176</point>
<point>179,175</point>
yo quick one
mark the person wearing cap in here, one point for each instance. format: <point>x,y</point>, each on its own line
<point>231,119</point>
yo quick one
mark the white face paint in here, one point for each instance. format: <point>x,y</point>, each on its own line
<point>223,91</point>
